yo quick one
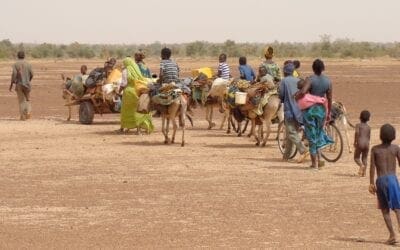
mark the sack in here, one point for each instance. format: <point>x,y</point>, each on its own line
<point>144,102</point>
<point>219,87</point>
<point>77,87</point>
<point>165,98</point>
<point>94,77</point>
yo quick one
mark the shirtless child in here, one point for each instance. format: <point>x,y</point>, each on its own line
<point>383,159</point>
<point>361,142</point>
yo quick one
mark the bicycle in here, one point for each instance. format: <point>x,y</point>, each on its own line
<point>330,153</point>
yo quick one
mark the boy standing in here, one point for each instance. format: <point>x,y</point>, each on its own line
<point>224,71</point>
<point>383,159</point>
<point>361,142</point>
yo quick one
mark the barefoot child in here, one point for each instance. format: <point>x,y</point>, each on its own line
<point>383,159</point>
<point>361,142</point>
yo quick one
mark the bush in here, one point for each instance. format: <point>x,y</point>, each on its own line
<point>340,48</point>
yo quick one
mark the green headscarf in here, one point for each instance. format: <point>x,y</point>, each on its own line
<point>133,69</point>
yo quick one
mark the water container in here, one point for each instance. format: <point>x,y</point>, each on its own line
<point>240,98</point>
<point>207,71</point>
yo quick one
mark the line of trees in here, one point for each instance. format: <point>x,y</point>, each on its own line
<point>340,48</point>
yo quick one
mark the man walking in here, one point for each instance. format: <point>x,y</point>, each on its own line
<point>22,76</point>
<point>292,113</point>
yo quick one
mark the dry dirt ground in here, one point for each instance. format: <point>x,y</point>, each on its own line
<point>66,185</point>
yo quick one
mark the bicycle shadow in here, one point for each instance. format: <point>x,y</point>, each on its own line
<point>363,241</point>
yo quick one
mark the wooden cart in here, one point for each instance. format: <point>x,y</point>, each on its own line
<point>95,101</point>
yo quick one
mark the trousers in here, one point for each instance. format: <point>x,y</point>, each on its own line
<point>292,138</point>
<point>23,102</point>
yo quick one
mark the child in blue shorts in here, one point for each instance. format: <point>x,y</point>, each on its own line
<point>387,190</point>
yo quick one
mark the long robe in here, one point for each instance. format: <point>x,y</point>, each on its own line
<point>130,118</point>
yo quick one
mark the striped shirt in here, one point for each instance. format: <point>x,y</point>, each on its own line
<point>170,71</point>
<point>225,71</point>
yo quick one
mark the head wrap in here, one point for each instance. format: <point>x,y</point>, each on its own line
<point>133,69</point>
<point>288,68</point>
<point>141,53</point>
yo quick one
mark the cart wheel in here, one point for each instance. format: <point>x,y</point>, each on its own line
<point>86,112</point>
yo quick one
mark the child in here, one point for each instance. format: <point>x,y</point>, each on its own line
<point>223,68</point>
<point>296,64</point>
<point>246,72</point>
<point>264,77</point>
<point>169,69</point>
<point>84,73</point>
<point>383,159</point>
<point>361,142</point>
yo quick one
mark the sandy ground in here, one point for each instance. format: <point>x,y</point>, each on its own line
<point>66,185</point>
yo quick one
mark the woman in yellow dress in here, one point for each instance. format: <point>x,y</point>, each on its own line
<point>133,83</point>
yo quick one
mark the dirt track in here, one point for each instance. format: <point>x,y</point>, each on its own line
<point>68,185</point>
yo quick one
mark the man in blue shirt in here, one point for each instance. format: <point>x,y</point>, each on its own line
<point>292,113</point>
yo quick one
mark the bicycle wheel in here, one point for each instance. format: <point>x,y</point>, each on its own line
<point>333,152</point>
<point>281,138</point>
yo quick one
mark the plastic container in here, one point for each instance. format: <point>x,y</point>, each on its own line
<point>240,98</point>
<point>207,71</point>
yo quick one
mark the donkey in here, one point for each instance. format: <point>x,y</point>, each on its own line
<point>271,111</point>
<point>67,95</point>
<point>214,98</point>
<point>176,109</point>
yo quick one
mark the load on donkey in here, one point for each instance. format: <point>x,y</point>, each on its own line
<point>171,101</point>
<point>97,94</point>
<point>258,102</point>
<point>210,93</point>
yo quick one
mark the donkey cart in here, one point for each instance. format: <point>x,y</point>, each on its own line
<point>102,98</point>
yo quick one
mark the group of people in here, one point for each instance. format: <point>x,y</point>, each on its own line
<point>307,105</point>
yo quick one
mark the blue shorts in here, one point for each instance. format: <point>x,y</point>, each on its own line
<point>388,192</point>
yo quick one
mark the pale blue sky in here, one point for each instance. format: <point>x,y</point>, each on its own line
<point>132,21</point>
